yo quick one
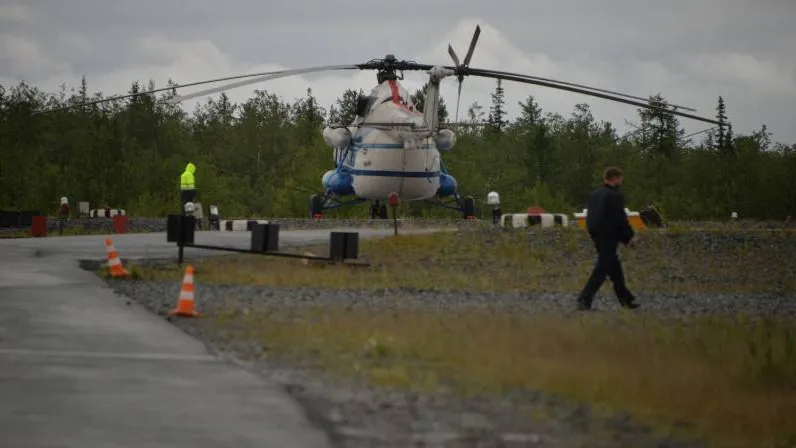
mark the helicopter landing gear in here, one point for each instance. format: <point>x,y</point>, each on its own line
<point>378,210</point>
<point>468,208</point>
<point>316,206</point>
<point>319,204</point>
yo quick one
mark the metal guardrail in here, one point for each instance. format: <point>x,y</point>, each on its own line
<point>264,241</point>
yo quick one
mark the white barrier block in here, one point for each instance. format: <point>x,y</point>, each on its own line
<point>238,225</point>
<point>518,220</point>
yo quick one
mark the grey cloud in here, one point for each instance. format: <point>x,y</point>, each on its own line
<point>690,51</point>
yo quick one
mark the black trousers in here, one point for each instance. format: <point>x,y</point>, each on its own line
<point>608,265</point>
<point>187,196</point>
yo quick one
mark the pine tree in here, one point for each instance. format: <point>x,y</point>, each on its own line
<point>419,100</point>
<point>660,131</point>
<point>542,144</point>
<point>128,153</point>
<point>83,88</point>
<point>530,112</point>
<point>475,113</point>
<point>729,139</point>
<point>721,116</point>
<point>763,138</point>
<point>497,112</point>
<point>344,110</point>
<point>135,88</point>
<point>307,113</point>
<point>709,140</point>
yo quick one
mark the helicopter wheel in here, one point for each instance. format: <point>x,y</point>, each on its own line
<point>316,206</point>
<point>469,208</point>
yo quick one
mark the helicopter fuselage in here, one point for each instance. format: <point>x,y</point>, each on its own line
<point>388,149</point>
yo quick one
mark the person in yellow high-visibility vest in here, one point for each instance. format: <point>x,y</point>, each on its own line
<point>187,185</point>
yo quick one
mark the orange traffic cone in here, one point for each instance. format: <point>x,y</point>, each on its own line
<point>114,262</point>
<point>186,307</point>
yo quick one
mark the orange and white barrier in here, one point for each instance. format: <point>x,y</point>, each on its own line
<point>516,220</point>
<point>633,217</point>
<point>100,213</point>
<point>239,225</point>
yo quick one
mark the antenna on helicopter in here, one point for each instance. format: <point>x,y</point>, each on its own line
<point>466,64</point>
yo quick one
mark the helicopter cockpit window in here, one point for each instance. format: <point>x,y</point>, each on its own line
<point>400,100</point>
<point>364,104</point>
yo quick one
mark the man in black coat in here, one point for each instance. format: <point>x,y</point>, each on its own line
<point>607,224</point>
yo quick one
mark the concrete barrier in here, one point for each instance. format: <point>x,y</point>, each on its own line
<point>633,217</point>
<point>239,225</point>
<point>518,220</point>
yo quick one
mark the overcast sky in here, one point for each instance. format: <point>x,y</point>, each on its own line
<point>689,51</point>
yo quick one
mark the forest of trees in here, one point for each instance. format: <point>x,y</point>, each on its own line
<point>266,157</point>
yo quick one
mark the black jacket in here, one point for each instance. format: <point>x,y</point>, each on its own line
<point>606,217</point>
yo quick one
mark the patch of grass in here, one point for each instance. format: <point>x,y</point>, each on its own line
<point>135,272</point>
<point>734,378</point>
<point>529,260</point>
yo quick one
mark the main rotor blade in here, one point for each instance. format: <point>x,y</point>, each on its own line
<point>258,79</point>
<point>699,132</point>
<point>529,80</point>
<point>149,92</point>
<point>539,78</point>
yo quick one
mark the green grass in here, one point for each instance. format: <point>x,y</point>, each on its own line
<point>679,262</point>
<point>734,378</point>
<point>134,272</point>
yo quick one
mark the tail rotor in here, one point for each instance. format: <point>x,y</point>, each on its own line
<point>465,64</point>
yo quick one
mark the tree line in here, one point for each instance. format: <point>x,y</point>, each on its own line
<point>266,156</point>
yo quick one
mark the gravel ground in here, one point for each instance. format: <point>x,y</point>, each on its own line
<point>159,297</point>
<point>363,416</point>
<point>358,415</point>
<point>144,224</point>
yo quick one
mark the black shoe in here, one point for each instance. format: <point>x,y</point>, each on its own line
<point>630,305</point>
<point>582,306</point>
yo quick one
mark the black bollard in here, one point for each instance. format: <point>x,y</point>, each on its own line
<point>344,246</point>
<point>180,229</point>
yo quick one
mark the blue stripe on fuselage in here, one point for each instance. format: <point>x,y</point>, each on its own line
<point>384,173</point>
<point>385,146</point>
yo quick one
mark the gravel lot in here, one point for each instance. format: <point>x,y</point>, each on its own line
<point>365,416</point>
<point>160,297</point>
<point>358,415</point>
<point>154,224</point>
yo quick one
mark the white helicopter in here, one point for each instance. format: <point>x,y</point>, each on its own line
<point>392,149</point>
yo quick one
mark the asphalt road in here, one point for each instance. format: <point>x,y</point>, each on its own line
<point>81,368</point>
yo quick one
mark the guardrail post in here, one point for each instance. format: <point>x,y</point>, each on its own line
<point>344,245</point>
<point>265,237</point>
